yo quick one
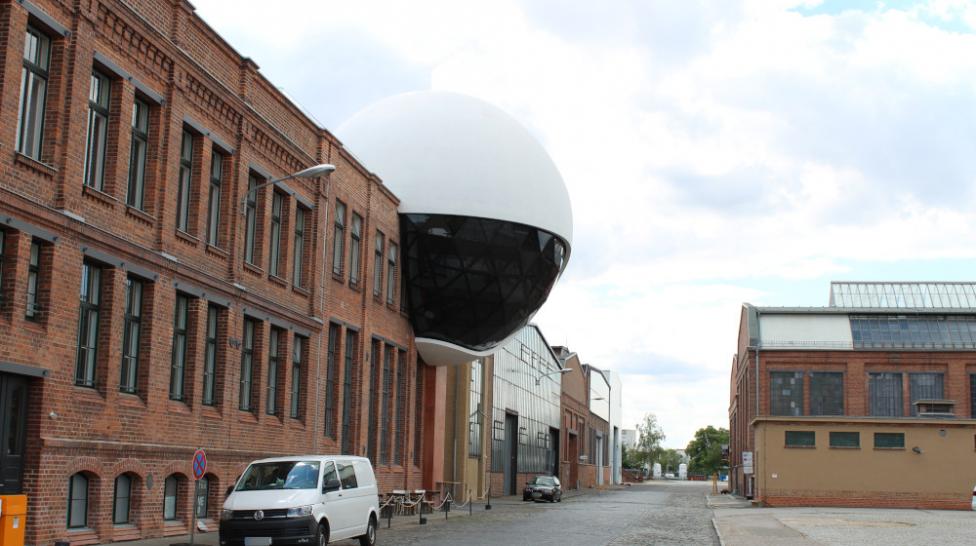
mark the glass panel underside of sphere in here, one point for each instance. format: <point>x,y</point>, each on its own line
<point>473,282</point>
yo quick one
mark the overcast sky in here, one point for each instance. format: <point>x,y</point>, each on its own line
<point>716,152</point>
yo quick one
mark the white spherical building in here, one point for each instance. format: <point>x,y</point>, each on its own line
<point>485,219</point>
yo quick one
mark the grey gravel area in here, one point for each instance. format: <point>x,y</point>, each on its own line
<point>843,526</point>
<point>656,513</point>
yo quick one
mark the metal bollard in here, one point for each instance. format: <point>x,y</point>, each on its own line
<point>389,516</point>
<point>447,507</point>
<point>470,504</point>
<point>423,520</point>
<point>488,499</point>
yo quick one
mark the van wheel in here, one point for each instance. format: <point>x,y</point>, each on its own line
<point>323,535</point>
<point>369,539</point>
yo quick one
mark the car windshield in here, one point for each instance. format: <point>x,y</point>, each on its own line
<point>542,480</point>
<point>280,475</point>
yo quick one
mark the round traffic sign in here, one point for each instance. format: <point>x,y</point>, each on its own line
<point>199,464</point>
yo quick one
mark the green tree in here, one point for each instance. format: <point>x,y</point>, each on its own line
<point>649,438</point>
<point>705,451</point>
<point>669,460</point>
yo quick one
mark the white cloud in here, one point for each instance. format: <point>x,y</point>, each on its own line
<point>710,147</point>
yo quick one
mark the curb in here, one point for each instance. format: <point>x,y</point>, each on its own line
<point>721,540</point>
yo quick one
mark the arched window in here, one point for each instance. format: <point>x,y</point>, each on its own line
<point>203,496</point>
<point>121,499</point>
<point>170,497</point>
<point>77,501</point>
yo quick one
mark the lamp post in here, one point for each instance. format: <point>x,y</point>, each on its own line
<point>538,380</point>
<point>311,172</point>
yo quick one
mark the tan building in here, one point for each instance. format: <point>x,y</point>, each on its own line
<point>868,402</point>
<point>502,418</point>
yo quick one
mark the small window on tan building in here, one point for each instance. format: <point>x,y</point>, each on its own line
<point>850,440</point>
<point>889,440</point>
<point>801,438</point>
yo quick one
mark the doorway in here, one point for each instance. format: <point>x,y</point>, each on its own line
<point>573,454</point>
<point>13,425</point>
<point>511,454</point>
<point>554,451</point>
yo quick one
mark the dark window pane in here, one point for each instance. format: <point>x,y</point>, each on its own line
<point>889,440</point>
<point>827,393</point>
<point>925,386</point>
<point>805,438</point>
<point>885,395</point>
<point>786,393</point>
<point>845,439</point>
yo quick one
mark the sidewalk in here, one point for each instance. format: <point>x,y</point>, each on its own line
<point>435,519</point>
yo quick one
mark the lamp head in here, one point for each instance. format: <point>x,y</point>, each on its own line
<point>317,170</point>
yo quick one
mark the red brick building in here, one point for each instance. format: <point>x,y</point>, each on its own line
<point>585,438</point>
<point>868,402</point>
<point>150,303</point>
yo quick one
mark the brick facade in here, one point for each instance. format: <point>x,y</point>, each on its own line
<point>751,419</point>
<point>163,54</point>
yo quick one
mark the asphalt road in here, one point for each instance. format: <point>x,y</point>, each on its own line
<point>655,513</point>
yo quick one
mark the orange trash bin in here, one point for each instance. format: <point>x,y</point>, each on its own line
<point>13,519</point>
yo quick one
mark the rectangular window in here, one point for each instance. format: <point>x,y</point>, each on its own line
<point>418,413</point>
<point>3,250</point>
<point>210,357</point>
<point>213,207</point>
<point>331,369</point>
<point>972,396</point>
<point>845,439</point>
<point>475,418</point>
<point>378,266</point>
<point>184,187</point>
<point>374,387</point>
<point>889,440</point>
<point>250,219</point>
<point>801,438</point>
<point>33,93</point>
<point>399,420</point>
<point>925,386</point>
<point>180,329</point>
<point>33,280</point>
<point>786,393</point>
<point>271,405</point>
<point>131,335</point>
<point>391,264</point>
<point>298,263</point>
<point>338,251</point>
<point>885,395</point>
<point>247,365</point>
<point>347,392</point>
<point>386,408</point>
<point>98,103</point>
<point>827,393</point>
<point>136,195</point>
<point>91,288</point>
<point>355,248</point>
<point>297,361</point>
<point>274,256</point>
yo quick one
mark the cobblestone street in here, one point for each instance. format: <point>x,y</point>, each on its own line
<point>658,513</point>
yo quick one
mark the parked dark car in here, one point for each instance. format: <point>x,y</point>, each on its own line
<point>543,488</point>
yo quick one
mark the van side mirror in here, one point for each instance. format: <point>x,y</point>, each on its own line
<point>330,484</point>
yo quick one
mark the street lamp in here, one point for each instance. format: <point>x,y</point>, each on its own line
<point>538,380</point>
<point>311,172</point>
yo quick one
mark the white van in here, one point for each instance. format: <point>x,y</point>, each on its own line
<point>302,501</point>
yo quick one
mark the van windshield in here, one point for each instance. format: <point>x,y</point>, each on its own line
<point>280,475</point>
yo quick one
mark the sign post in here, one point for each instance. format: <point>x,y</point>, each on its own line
<point>199,470</point>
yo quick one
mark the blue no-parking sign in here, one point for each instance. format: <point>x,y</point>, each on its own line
<point>199,464</point>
